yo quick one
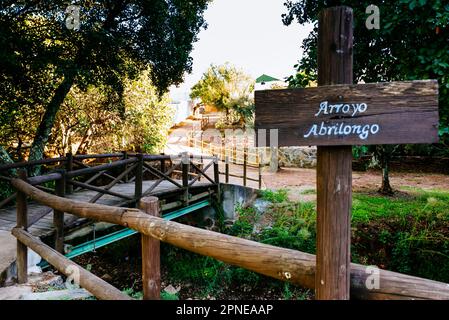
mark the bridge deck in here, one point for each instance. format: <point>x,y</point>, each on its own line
<point>45,225</point>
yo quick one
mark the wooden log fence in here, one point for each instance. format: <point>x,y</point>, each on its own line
<point>95,285</point>
<point>280,263</point>
<point>229,155</point>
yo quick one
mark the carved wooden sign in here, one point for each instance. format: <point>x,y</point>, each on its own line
<point>362,114</point>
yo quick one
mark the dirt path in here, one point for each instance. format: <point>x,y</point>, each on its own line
<point>299,181</point>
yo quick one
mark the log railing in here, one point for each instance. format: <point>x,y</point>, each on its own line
<point>280,263</point>
<point>231,155</point>
<point>100,177</point>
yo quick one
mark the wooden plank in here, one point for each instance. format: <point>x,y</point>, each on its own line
<point>151,256</point>
<point>334,164</point>
<point>394,113</point>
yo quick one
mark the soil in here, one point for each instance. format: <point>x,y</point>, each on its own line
<point>299,181</point>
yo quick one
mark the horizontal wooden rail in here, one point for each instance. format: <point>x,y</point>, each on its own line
<point>17,165</point>
<point>237,176</point>
<point>107,166</point>
<point>95,285</point>
<point>97,156</point>
<point>45,178</point>
<point>280,263</point>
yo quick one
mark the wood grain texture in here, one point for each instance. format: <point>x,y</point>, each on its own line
<point>334,164</point>
<point>151,254</point>
<point>280,263</point>
<point>407,112</point>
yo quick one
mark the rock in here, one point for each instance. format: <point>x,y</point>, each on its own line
<point>172,290</point>
<point>106,277</point>
<point>297,157</point>
<point>14,292</point>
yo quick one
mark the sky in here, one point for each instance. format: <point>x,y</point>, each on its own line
<point>248,34</point>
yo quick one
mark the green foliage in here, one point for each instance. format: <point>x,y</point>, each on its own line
<point>169,296</point>
<point>301,79</point>
<point>359,151</point>
<point>42,59</point>
<point>406,234</point>
<point>228,89</point>
<point>275,196</point>
<point>138,295</point>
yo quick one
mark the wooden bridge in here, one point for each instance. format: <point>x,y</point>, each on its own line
<point>122,181</point>
<point>73,192</point>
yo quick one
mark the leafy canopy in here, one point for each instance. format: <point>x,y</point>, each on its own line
<point>227,88</point>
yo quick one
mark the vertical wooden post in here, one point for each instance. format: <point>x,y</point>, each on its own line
<point>260,175</point>
<point>185,163</point>
<point>334,172</point>
<point>139,177</point>
<point>162,163</point>
<point>223,149</point>
<point>217,178</point>
<point>151,261</point>
<point>234,147</point>
<point>22,222</point>
<point>125,156</point>
<point>245,162</point>
<point>68,168</point>
<point>227,169</point>
<point>58,216</point>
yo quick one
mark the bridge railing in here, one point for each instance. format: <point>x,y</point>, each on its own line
<point>101,172</point>
<point>280,263</point>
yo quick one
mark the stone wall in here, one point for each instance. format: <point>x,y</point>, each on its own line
<point>297,157</point>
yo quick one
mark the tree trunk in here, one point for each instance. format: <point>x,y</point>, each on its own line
<point>47,122</point>
<point>384,154</point>
<point>386,187</point>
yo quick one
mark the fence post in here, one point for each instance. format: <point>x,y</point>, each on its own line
<point>151,261</point>
<point>163,163</point>
<point>125,156</point>
<point>58,216</point>
<point>260,176</point>
<point>185,176</point>
<point>217,177</point>
<point>68,168</point>
<point>227,169</point>
<point>22,222</point>
<point>245,161</point>
<point>139,177</point>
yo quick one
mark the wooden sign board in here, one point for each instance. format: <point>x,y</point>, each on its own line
<point>362,114</point>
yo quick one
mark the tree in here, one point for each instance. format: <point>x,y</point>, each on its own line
<point>410,44</point>
<point>228,89</point>
<point>115,41</point>
<point>90,122</point>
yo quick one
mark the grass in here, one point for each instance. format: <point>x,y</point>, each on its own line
<point>417,203</point>
<point>406,233</point>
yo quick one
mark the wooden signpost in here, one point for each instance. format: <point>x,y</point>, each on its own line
<point>334,116</point>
